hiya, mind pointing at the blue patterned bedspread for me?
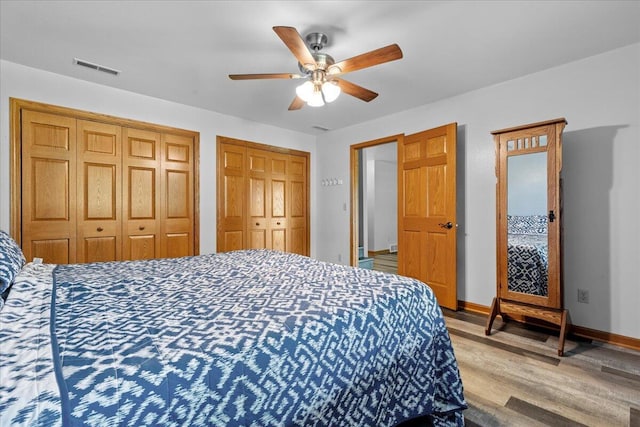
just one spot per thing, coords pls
(247, 338)
(528, 266)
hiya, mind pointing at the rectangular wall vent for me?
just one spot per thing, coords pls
(324, 129)
(96, 67)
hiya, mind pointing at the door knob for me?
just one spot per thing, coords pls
(448, 225)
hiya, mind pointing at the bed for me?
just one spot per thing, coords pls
(245, 338)
(528, 254)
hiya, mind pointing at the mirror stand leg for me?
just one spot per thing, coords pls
(563, 332)
(495, 308)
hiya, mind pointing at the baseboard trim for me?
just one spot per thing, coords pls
(576, 330)
(380, 252)
(473, 307)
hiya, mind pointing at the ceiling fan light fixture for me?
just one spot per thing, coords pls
(305, 91)
(316, 99)
(330, 90)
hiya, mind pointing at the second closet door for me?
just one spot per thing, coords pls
(141, 202)
(99, 160)
(268, 198)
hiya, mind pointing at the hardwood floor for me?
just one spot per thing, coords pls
(515, 378)
(386, 262)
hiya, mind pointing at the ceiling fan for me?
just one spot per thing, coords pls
(322, 74)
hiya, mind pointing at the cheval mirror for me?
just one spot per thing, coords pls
(529, 225)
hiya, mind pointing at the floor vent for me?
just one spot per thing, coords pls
(393, 248)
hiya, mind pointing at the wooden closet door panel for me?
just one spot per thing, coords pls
(259, 203)
(177, 197)
(141, 194)
(297, 216)
(48, 154)
(231, 196)
(273, 212)
(279, 202)
(99, 160)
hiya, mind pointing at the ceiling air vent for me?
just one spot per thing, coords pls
(322, 128)
(96, 67)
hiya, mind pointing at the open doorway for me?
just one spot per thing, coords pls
(374, 170)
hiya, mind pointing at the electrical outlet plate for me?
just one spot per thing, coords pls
(583, 296)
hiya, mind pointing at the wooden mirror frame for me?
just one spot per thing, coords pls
(523, 306)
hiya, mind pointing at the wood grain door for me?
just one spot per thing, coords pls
(48, 182)
(427, 210)
(177, 197)
(259, 201)
(262, 196)
(278, 203)
(99, 187)
(141, 194)
(297, 208)
(231, 199)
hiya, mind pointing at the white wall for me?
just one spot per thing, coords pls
(35, 85)
(600, 98)
(385, 228)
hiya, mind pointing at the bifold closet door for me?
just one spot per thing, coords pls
(232, 196)
(48, 182)
(262, 197)
(268, 199)
(177, 200)
(297, 206)
(99, 189)
(141, 199)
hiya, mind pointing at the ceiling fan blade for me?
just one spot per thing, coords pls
(296, 104)
(264, 76)
(355, 90)
(296, 45)
(369, 59)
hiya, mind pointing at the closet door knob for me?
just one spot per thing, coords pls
(448, 225)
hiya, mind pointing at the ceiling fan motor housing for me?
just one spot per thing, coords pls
(316, 41)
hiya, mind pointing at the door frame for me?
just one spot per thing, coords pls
(355, 182)
(354, 221)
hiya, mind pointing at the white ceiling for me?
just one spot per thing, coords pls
(183, 51)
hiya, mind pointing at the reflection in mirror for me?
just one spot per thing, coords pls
(528, 243)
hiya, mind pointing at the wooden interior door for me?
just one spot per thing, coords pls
(141, 198)
(231, 198)
(99, 189)
(48, 182)
(177, 198)
(427, 210)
